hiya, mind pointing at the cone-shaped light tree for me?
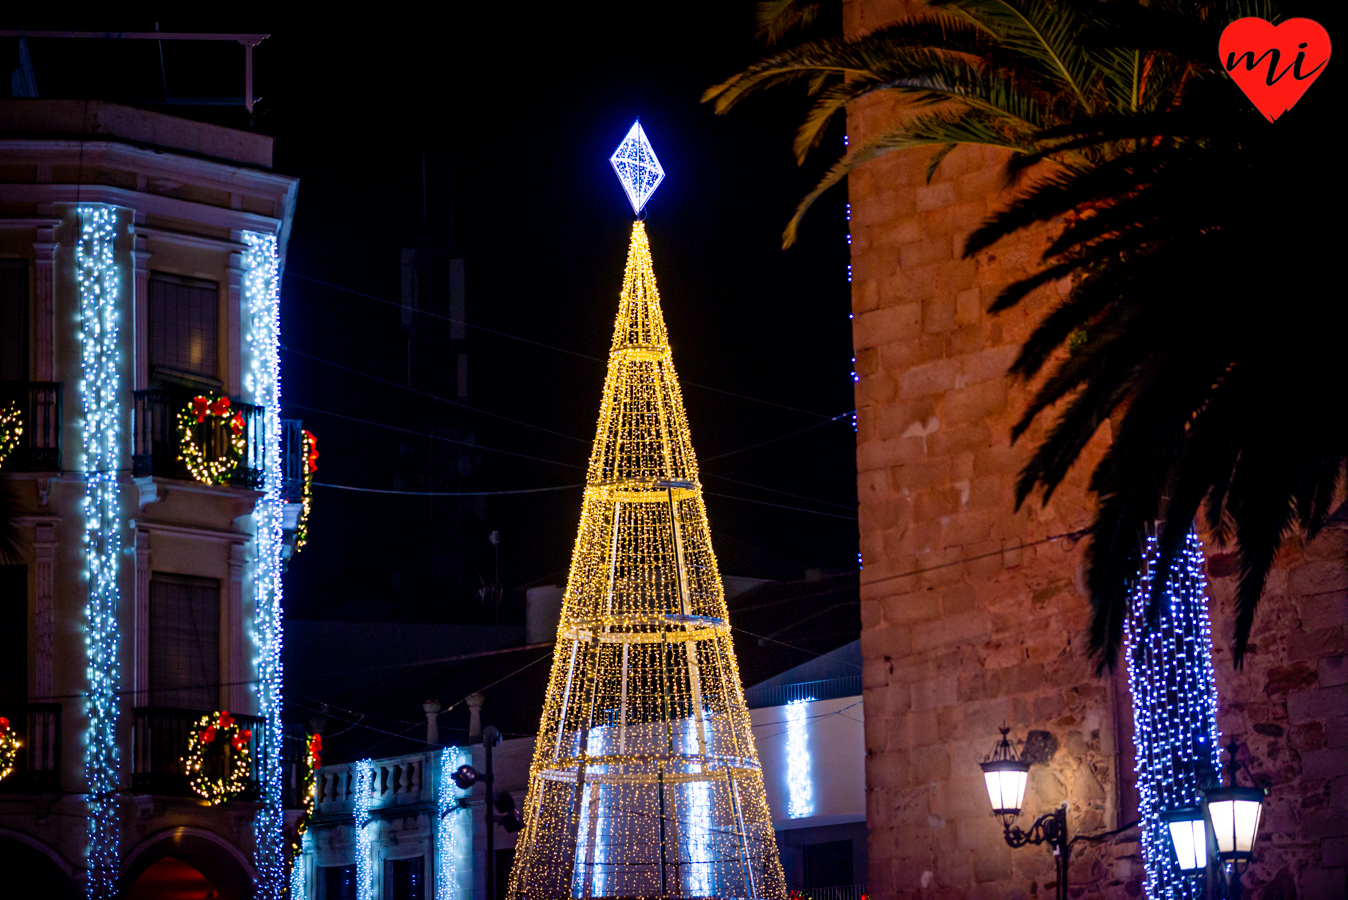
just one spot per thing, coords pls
(645, 781)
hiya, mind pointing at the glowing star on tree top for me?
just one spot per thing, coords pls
(638, 169)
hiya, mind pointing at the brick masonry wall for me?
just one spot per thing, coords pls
(993, 628)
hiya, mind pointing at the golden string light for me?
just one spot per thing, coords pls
(645, 781)
(219, 737)
(11, 429)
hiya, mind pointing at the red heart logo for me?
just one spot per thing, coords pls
(1274, 65)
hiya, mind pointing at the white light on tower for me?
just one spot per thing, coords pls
(637, 168)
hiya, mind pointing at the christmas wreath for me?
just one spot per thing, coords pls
(310, 447)
(200, 415)
(312, 759)
(11, 429)
(9, 748)
(219, 734)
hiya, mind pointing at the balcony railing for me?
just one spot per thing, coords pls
(840, 892)
(39, 405)
(157, 449)
(398, 781)
(760, 696)
(37, 768)
(160, 743)
(292, 460)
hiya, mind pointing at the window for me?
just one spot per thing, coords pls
(184, 325)
(405, 879)
(13, 641)
(338, 882)
(828, 864)
(184, 642)
(13, 320)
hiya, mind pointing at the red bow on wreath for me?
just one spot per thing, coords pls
(236, 424)
(4, 725)
(208, 734)
(202, 406)
(241, 738)
(312, 462)
(315, 751)
(226, 720)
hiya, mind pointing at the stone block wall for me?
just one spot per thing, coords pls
(974, 613)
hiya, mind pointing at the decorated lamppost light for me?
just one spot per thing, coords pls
(1005, 775)
(1223, 831)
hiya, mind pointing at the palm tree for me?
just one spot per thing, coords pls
(1204, 316)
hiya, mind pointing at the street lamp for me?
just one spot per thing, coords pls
(509, 818)
(1228, 823)
(1005, 775)
(1234, 812)
(1188, 837)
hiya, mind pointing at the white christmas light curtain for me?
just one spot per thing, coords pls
(100, 385)
(1174, 707)
(262, 380)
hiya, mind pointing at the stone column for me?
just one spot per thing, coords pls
(141, 675)
(236, 693)
(44, 553)
(235, 310)
(140, 304)
(475, 702)
(432, 710)
(44, 324)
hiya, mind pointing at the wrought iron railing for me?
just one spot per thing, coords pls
(158, 447)
(292, 460)
(37, 768)
(839, 892)
(760, 695)
(160, 741)
(39, 405)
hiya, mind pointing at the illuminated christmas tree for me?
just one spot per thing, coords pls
(645, 781)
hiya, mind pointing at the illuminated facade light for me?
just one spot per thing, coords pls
(263, 380)
(637, 168)
(100, 293)
(454, 827)
(1235, 812)
(362, 775)
(800, 792)
(1174, 709)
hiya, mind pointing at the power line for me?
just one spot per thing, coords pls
(365, 490)
(780, 437)
(813, 512)
(436, 437)
(784, 493)
(516, 337)
(433, 396)
(1071, 535)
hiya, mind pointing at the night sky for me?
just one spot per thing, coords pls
(487, 139)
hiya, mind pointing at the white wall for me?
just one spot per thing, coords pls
(835, 761)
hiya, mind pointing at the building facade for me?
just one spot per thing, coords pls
(140, 259)
(974, 614)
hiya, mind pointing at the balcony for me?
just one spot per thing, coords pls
(158, 448)
(762, 695)
(37, 770)
(839, 892)
(159, 744)
(399, 781)
(39, 406)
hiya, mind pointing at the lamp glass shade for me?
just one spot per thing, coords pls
(1005, 780)
(1235, 812)
(1188, 837)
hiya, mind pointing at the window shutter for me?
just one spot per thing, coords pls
(184, 324)
(184, 642)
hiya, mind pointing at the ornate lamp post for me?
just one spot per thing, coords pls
(1228, 824)
(1005, 775)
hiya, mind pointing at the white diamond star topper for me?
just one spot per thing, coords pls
(637, 167)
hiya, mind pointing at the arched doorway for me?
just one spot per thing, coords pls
(38, 870)
(172, 879)
(186, 864)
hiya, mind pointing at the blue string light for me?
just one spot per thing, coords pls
(454, 831)
(100, 382)
(263, 382)
(362, 774)
(800, 790)
(1174, 708)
